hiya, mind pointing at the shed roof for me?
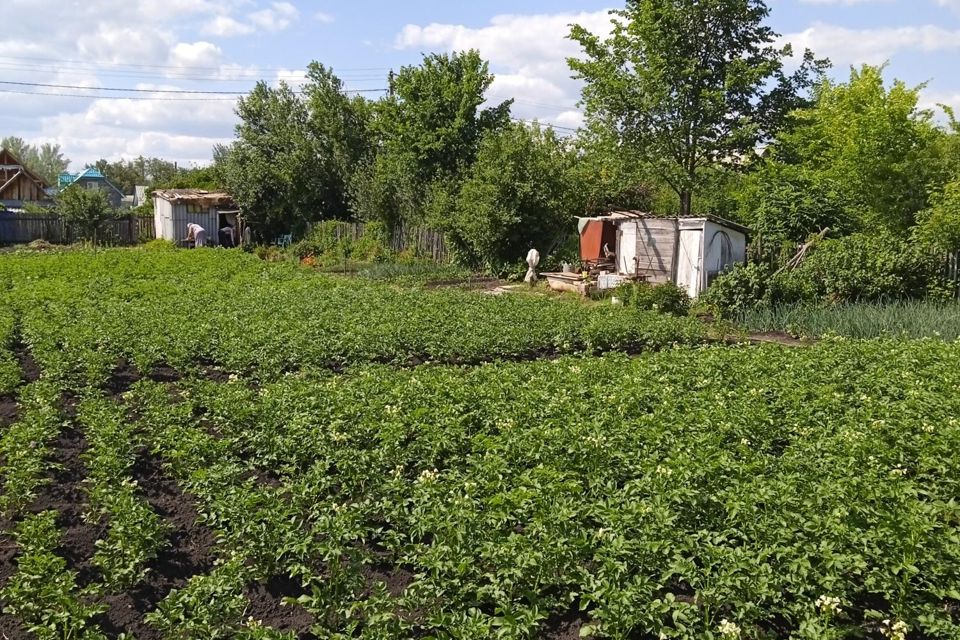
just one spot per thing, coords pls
(630, 214)
(196, 196)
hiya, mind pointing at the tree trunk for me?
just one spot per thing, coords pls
(686, 203)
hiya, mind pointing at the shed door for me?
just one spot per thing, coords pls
(627, 249)
(689, 261)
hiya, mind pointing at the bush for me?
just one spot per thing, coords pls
(322, 244)
(855, 268)
(665, 298)
(739, 289)
(863, 267)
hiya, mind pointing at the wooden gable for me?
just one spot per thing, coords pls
(17, 182)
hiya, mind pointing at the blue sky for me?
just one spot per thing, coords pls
(225, 45)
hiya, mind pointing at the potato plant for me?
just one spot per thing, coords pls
(82, 312)
(690, 492)
(9, 368)
(687, 494)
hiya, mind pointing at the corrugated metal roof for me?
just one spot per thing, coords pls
(212, 198)
(628, 214)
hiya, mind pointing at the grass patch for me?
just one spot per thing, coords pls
(912, 319)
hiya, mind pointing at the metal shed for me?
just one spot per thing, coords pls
(174, 209)
(689, 252)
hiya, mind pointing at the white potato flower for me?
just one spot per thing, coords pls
(728, 629)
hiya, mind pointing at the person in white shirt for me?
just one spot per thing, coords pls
(198, 234)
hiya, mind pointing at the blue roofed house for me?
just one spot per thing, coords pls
(91, 178)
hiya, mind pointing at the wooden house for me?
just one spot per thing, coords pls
(18, 184)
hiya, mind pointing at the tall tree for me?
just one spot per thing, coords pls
(294, 157)
(688, 84)
(426, 132)
(518, 191)
(875, 142)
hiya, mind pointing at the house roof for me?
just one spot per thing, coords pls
(629, 214)
(195, 196)
(8, 159)
(90, 173)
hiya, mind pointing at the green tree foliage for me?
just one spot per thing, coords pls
(46, 160)
(88, 209)
(689, 84)
(150, 172)
(607, 176)
(873, 142)
(515, 193)
(294, 157)
(426, 133)
(939, 226)
(788, 203)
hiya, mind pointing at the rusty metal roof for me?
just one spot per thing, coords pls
(195, 196)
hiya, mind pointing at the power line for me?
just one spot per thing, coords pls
(243, 75)
(161, 66)
(140, 98)
(153, 91)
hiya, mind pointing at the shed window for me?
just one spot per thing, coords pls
(193, 208)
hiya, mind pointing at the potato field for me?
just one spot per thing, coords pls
(200, 445)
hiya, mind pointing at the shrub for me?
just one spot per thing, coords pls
(739, 289)
(855, 268)
(665, 298)
(864, 267)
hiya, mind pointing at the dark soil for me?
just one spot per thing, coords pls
(65, 495)
(9, 411)
(266, 605)
(10, 629)
(164, 373)
(215, 374)
(396, 579)
(564, 626)
(123, 376)
(188, 553)
(30, 370)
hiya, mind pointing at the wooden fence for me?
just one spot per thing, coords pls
(953, 271)
(20, 228)
(422, 242)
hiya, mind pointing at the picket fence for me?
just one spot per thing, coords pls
(953, 271)
(23, 228)
(423, 242)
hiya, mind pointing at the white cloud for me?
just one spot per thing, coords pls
(528, 53)
(845, 46)
(225, 27)
(930, 99)
(277, 18)
(149, 44)
(195, 54)
(324, 17)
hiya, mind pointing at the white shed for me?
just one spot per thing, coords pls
(690, 252)
(174, 209)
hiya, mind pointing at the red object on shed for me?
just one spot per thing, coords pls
(595, 234)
